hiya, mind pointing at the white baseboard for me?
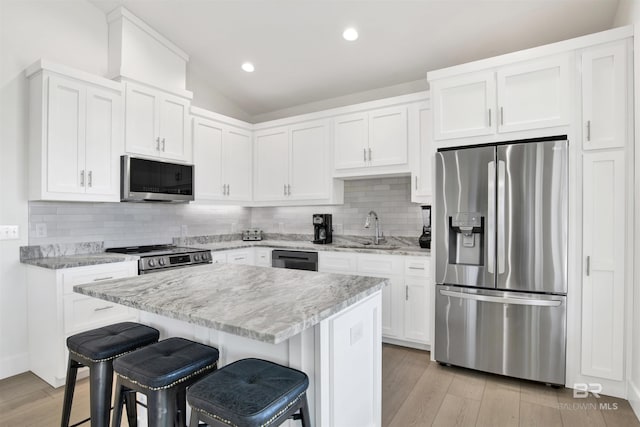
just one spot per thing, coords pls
(14, 365)
(634, 398)
(403, 343)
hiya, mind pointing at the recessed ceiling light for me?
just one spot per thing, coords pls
(248, 67)
(350, 34)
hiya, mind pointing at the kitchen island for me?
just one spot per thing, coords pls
(327, 325)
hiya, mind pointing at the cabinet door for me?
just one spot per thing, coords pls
(103, 138)
(66, 136)
(271, 165)
(173, 128)
(308, 164)
(388, 144)
(416, 320)
(207, 146)
(141, 121)
(237, 164)
(392, 308)
(604, 96)
(603, 240)
(534, 94)
(421, 185)
(464, 106)
(351, 136)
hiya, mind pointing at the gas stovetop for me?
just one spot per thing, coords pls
(162, 257)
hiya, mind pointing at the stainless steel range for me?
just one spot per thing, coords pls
(155, 258)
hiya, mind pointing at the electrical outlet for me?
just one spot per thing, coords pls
(9, 232)
(41, 229)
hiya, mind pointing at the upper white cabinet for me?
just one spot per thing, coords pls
(604, 96)
(524, 96)
(422, 131)
(370, 139)
(292, 163)
(75, 135)
(222, 159)
(156, 124)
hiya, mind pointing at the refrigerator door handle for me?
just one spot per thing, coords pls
(491, 216)
(502, 300)
(501, 217)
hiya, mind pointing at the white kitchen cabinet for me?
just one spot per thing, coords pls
(222, 161)
(603, 278)
(421, 175)
(604, 96)
(156, 124)
(263, 257)
(245, 256)
(292, 163)
(75, 137)
(371, 139)
(55, 312)
(523, 96)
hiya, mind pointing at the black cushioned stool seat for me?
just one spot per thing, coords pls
(97, 350)
(163, 371)
(248, 393)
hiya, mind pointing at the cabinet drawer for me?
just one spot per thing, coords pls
(386, 265)
(263, 257)
(97, 273)
(84, 313)
(337, 262)
(218, 258)
(417, 267)
(240, 257)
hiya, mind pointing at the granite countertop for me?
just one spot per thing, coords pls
(261, 303)
(70, 255)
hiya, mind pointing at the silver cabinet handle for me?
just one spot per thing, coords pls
(288, 189)
(489, 117)
(228, 189)
(501, 116)
(82, 178)
(99, 279)
(501, 244)
(491, 216)
(588, 265)
(406, 292)
(285, 189)
(588, 130)
(416, 268)
(364, 152)
(416, 180)
(90, 178)
(503, 300)
(369, 154)
(158, 143)
(163, 144)
(224, 189)
(106, 307)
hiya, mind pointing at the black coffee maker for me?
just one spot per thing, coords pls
(322, 231)
(425, 238)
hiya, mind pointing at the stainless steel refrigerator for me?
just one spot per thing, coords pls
(501, 258)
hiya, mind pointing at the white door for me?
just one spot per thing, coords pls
(351, 136)
(603, 269)
(388, 144)
(604, 96)
(416, 322)
(102, 142)
(66, 136)
(534, 95)
(308, 165)
(464, 106)
(271, 171)
(237, 164)
(207, 148)
(141, 121)
(421, 185)
(392, 308)
(173, 128)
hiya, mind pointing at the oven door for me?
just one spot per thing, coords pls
(299, 260)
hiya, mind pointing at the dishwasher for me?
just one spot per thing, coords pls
(299, 260)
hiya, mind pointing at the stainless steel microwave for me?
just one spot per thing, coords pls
(145, 180)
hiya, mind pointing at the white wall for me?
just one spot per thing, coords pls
(629, 13)
(73, 33)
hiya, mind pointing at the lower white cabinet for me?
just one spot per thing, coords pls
(55, 312)
(244, 256)
(263, 257)
(405, 302)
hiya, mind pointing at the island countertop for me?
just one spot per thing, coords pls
(261, 303)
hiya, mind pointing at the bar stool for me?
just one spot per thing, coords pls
(97, 350)
(162, 372)
(250, 393)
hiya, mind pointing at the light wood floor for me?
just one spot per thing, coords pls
(415, 392)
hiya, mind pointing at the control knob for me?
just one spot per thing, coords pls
(161, 261)
(152, 263)
(196, 257)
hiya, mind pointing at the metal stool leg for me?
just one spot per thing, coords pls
(181, 406)
(101, 381)
(161, 408)
(304, 412)
(69, 388)
(194, 421)
(121, 390)
(132, 408)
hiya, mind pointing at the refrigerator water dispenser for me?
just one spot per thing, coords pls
(466, 238)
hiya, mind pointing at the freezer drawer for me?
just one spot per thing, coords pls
(509, 333)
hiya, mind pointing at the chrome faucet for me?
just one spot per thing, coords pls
(379, 236)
